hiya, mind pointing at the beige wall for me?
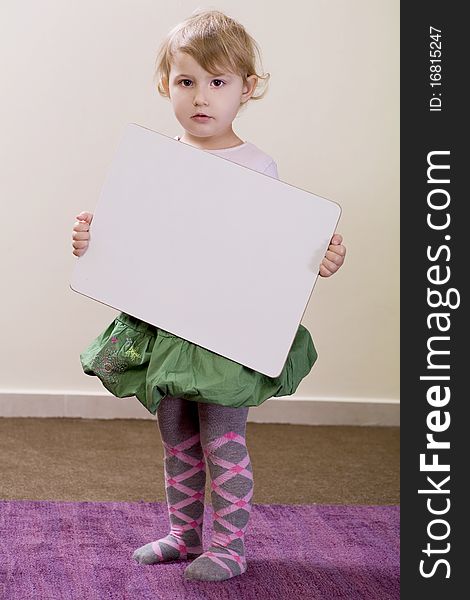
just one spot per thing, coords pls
(75, 73)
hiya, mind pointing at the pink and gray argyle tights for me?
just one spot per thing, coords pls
(193, 433)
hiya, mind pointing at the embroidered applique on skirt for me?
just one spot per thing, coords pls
(134, 358)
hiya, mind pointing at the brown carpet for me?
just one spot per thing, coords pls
(121, 460)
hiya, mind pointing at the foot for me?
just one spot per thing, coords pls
(164, 550)
(216, 564)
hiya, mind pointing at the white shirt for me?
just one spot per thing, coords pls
(248, 155)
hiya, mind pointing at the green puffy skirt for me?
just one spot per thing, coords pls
(133, 358)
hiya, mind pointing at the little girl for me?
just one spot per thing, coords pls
(206, 67)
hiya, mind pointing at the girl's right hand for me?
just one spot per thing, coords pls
(81, 233)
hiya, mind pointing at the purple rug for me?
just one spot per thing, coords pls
(82, 551)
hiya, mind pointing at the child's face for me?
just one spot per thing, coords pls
(193, 90)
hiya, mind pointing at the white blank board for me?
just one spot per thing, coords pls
(209, 250)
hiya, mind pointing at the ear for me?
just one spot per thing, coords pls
(165, 86)
(249, 87)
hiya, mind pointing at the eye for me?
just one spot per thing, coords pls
(184, 81)
(218, 81)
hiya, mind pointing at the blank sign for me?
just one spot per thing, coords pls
(209, 250)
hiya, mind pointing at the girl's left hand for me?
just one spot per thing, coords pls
(334, 257)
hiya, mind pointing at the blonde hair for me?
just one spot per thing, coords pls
(216, 42)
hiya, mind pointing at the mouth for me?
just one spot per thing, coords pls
(201, 115)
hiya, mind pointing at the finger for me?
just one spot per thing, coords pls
(81, 226)
(330, 265)
(338, 250)
(78, 251)
(324, 271)
(337, 239)
(78, 245)
(85, 216)
(334, 256)
(81, 235)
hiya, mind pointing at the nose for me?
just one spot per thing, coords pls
(199, 98)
